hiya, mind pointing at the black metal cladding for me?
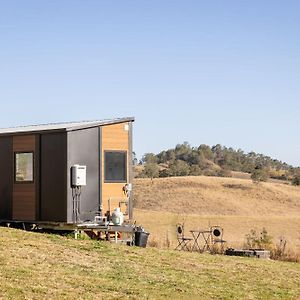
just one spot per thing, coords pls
(6, 177)
(83, 149)
(53, 205)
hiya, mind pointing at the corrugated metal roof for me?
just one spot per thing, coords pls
(68, 126)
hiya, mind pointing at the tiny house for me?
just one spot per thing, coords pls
(36, 171)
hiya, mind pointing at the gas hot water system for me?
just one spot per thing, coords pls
(78, 179)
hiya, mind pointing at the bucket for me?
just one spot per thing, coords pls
(141, 238)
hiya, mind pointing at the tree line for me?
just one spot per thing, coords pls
(218, 160)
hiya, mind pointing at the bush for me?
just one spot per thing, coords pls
(260, 240)
(195, 170)
(180, 168)
(165, 173)
(224, 173)
(259, 175)
(151, 170)
(263, 240)
(296, 180)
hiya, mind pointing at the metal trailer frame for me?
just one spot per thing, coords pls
(124, 233)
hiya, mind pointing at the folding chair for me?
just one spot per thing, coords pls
(183, 241)
(217, 237)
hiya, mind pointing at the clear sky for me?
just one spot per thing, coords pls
(199, 71)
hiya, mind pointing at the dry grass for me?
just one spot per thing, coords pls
(161, 224)
(216, 196)
(238, 205)
(40, 266)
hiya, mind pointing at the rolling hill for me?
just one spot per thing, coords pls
(238, 205)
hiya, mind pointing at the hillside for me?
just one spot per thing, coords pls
(218, 160)
(216, 196)
(236, 204)
(41, 266)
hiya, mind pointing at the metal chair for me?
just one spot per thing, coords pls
(183, 241)
(217, 237)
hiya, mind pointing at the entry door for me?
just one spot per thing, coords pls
(24, 202)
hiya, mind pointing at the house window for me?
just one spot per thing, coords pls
(24, 167)
(115, 166)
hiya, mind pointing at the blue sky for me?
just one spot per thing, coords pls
(199, 71)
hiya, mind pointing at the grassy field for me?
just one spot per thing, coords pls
(41, 266)
(237, 205)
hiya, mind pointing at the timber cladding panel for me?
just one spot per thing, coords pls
(24, 194)
(116, 138)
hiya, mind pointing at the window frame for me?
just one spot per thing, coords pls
(15, 167)
(125, 167)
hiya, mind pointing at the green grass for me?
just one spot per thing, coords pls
(38, 266)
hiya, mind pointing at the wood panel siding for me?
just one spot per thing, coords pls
(24, 143)
(24, 194)
(114, 137)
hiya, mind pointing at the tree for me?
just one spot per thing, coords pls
(296, 179)
(165, 173)
(151, 170)
(205, 152)
(162, 157)
(149, 158)
(259, 174)
(195, 170)
(185, 160)
(180, 168)
(183, 151)
(194, 158)
(171, 157)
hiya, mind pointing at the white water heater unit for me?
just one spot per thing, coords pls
(78, 173)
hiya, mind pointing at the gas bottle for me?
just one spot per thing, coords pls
(117, 216)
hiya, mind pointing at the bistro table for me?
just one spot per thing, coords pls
(199, 235)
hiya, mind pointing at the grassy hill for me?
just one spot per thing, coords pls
(41, 266)
(236, 204)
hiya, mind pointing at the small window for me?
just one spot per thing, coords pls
(115, 166)
(24, 167)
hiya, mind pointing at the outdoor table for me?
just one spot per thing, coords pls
(197, 236)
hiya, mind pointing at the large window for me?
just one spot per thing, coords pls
(115, 166)
(24, 167)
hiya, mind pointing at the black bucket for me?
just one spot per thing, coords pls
(141, 238)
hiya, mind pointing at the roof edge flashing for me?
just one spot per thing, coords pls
(62, 127)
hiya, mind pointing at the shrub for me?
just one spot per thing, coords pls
(296, 180)
(260, 240)
(259, 175)
(263, 240)
(224, 172)
(280, 252)
(180, 168)
(151, 170)
(165, 173)
(195, 170)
